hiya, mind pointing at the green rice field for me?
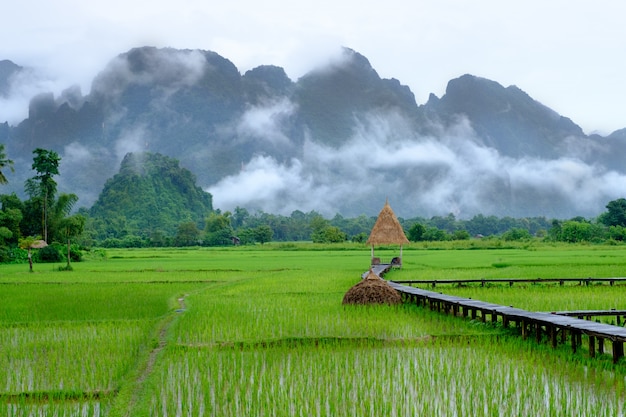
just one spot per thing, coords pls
(261, 331)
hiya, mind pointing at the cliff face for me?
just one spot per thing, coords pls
(196, 107)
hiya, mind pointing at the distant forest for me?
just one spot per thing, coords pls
(153, 202)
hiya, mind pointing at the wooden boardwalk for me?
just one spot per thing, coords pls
(380, 270)
(553, 327)
(482, 281)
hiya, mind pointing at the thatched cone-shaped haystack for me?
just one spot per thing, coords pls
(372, 290)
(387, 231)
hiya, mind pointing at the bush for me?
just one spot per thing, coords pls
(516, 233)
(76, 255)
(48, 254)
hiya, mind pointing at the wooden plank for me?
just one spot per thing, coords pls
(510, 281)
(575, 325)
(591, 313)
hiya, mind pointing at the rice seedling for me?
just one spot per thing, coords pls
(261, 331)
(432, 378)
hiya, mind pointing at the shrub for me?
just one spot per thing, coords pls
(48, 254)
(516, 233)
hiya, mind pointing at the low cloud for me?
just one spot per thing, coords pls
(421, 176)
(264, 122)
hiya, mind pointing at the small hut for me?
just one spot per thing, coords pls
(387, 231)
(372, 290)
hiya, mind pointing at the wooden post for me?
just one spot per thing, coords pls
(592, 346)
(618, 350)
(538, 332)
(552, 331)
(600, 345)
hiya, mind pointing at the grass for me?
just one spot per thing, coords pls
(261, 331)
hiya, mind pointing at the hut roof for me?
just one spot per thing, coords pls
(387, 229)
(372, 290)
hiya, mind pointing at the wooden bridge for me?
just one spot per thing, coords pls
(555, 327)
(551, 326)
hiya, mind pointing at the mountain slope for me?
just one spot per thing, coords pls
(339, 139)
(151, 192)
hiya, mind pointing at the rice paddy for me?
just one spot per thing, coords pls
(261, 331)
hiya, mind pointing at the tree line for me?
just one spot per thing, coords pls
(46, 215)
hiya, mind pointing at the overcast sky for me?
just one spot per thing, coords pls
(567, 54)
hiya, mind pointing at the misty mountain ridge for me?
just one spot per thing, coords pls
(340, 139)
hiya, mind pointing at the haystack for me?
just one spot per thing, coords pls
(372, 290)
(387, 230)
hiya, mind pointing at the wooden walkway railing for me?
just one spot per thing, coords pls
(482, 281)
(554, 327)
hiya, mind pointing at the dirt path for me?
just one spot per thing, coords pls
(147, 367)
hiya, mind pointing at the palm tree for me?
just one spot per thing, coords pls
(42, 186)
(4, 162)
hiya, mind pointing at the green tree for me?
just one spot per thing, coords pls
(71, 227)
(42, 186)
(59, 210)
(10, 220)
(416, 232)
(617, 233)
(187, 234)
(11, 215)
(263, 233)
(317, 224)
(616, 214)
(573, 231)
(239, 217)
(218, 230)
(460, 235)
(516, 233)
(432, 234)
(329, 234)
(4, 162)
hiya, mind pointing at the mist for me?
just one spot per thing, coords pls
(420, 175)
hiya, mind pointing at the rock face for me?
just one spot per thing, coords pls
(8, 70)
(340, 132)
(372, 290)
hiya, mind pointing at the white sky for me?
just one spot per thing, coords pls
(567, 54)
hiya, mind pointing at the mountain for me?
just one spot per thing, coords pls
(8, 70)
(151, 192)
(506, 119)
(340, 139)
